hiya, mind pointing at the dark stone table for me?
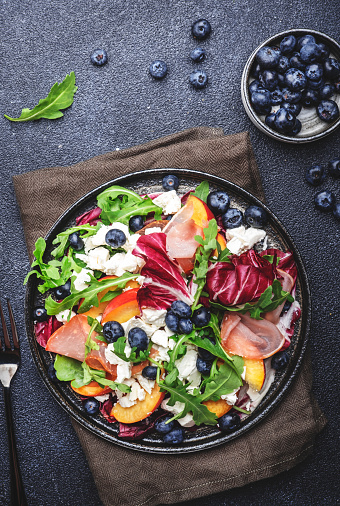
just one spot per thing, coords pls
(118, 106)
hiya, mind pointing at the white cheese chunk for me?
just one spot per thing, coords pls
(154, 316)
(145, 383)
(242, 239)
(153, 230)
(82, 279)
(63, 315)
(169, 202)
(162, 355)
(137, 394)
(102, 398)
(185, 421)
(138, 322)
(123, 371)
(97, 258)
(231, 398)
(160, 337)
(131, 242)
(194, 380)
(186, 365)
(120, 263)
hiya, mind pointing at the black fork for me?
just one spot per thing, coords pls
(9, 363)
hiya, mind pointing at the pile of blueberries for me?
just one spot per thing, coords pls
(298, 73)
(315, 175)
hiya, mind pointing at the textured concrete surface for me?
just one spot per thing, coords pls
(118, 106)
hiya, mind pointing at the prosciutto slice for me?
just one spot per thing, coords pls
(250, 338)
(287, 283)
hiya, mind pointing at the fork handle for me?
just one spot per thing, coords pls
(18, 497)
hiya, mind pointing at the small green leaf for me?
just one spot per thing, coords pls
(202, 191)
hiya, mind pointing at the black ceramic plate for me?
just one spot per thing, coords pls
(204, 437)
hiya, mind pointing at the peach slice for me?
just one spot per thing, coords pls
(202, 214)
(255, 373)
(96, 311)
(122, 308)
(140, 410)
(220, 407)
(92, 389)
(222, 242)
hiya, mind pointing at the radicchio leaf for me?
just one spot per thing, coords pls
(105, 409)
(163, 281)
(90, 217)
(44, 330)
(242, 280)
(286, 263)
(134, 431)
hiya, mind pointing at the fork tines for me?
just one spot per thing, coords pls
(13, 328)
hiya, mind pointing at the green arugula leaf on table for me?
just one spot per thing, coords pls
(202, 191)
(60, 97)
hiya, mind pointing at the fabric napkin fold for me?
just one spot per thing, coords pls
(285, 437)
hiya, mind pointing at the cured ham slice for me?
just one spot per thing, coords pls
(250, 338)
(287, 283)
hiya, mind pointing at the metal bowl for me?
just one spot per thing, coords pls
(312, 127)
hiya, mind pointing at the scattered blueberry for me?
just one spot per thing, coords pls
(91, 406)
(295, 79)
(203, 366)
(305, 39)
(232, 218)
(334, 167)
(185, 326)
(201, 29)
(197, 55)
(256, 216)
(115, 238)
(336, 211)
(314, 71)
(75, 241)
(324, 200)
(63, 291)
(328, 110)
(293, 108)
(269, 120)
(201, 317)
(267, 57)
(198, 79)
(51, 373)
(158, 69)
(138, 339)
(293, 97)
(268, 79)
(170, 182)
(331, 68)
(326, 91)
(175, 436)
(181, 309)
(218, 202)
(310, 98)
(287, 44)
(284, 121)
(296, 62)
(315, 175)
(280, 360)
(283, 64)
(261, 100)
(324, 51)
(297, 127)
(136, 223)
(150, 372)
(162, 427)
(229, 422)
(112, 330)
(40, 314)
(310, 52)
(99, 57)
(171, 321)
(276, 97)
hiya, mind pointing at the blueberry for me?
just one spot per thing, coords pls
(51, 373)
(185, 326)
(310, 98)
(255, 71)
(99, 57)
(314, 71)
(284, 121)
(310, 53)
(293, 108)
(276, 97)
(315, 175)
(205, 354)
(181, 309)
(331, 69)
(91, 406)
(324, 51)
(254, 86)
(328, 110)
(336, 211)
(203, 366)
(40, 314)
(295, 79)
(76, 242)
(261, 100)
(280, 80)
(267, 57)
(326, 91)
(297, 127)
(158, 69)
(283, 65)
(201, 29)
(269, 120)
(175, 436)
(115, 238)
(296, 62)
(229, 422)
(256, 216)
(138, 339)
(136, 223)
(280, 360)
(171, 321)
(170, 182)
(201, 317)
(198, 79)
(287, 44)
(232, 218)
(324, 200)
(218, 202)
(293, 97)
(112, 330)
(268, 79)
(162, 427)
(305, 39)
(63, 291)
(150, 372)
(197, 55)
(315, 85)
(334, 167)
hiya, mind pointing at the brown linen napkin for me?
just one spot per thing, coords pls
(129, 478)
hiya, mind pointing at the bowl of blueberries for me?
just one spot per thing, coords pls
(291, 86)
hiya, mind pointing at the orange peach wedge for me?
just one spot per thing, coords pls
(255, 373)
(140, 410)
(122, 308)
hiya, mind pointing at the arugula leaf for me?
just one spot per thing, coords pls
(67, 368)
(137, 208)
(224, 381)
(60, 97)
(270, 259)
(109, 201)
(62, 238)
(224, 255)
(119, 350)
(202, 191)
(111, 295)
(89, 294)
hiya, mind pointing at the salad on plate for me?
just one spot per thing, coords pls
(166, 312)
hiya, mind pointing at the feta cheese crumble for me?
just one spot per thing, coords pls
(169, 202)
(185, 421)
(242, 239)
(82, 279)
(63, 315)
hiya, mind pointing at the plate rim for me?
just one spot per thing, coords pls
(84, 420)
